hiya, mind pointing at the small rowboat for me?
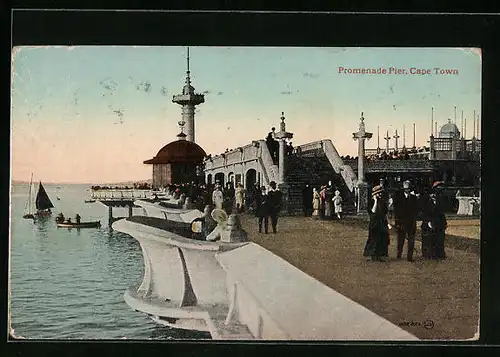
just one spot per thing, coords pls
(89, 201)
(94, 224)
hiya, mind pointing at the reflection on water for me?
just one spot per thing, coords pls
(69, 283)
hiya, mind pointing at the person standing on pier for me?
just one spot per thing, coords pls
(433, 225)
(261, 206)
(337, 203)
(274, 207)
(217, 197)
(239, 196)
(229, 194)
(316, 203)
(405, 216)
(307, 204)
(378, 230)
(328, 198)
(322, 207)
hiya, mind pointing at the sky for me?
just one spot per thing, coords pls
(93, 114)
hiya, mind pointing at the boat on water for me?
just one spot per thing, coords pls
(43, 204)
(92, 224)
(89, 201)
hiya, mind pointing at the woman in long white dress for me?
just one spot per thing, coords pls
(217, 197)
(239, 196)
(316, 203)
(337, 203)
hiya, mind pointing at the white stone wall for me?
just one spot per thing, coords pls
(237, 162)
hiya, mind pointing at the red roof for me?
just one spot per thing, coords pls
(180, 151)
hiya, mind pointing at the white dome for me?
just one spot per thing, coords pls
(449, 130)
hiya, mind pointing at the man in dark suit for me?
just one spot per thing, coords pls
(261, 206)
(405, 216)
(274, 205)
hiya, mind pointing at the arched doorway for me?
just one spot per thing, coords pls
(209, 179)
(250, 178)
(220, 178)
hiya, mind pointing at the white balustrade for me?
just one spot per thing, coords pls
(267, 161)
(119, 194)
(277, 301)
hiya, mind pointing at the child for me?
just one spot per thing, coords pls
(337, 203)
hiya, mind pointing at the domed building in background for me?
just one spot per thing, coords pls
(181, 161)
(177, 162)
(449, 130)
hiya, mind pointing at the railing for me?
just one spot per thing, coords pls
(346, 171)
(409, 151)
(119, 194)
(267, 161)
(394, 164)
(335, 160)
(311, 146)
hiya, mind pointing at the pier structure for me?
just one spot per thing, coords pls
(314, 163)
(451, 157)
(112, 198)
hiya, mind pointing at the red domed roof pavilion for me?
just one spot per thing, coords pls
(180, 151)
(177, 162)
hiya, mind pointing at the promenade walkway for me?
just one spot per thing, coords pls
(430, 299)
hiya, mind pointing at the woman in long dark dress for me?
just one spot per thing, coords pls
(261, 207)
(433, 226)
(378, 231)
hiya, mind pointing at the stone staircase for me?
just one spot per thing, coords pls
(314, 168)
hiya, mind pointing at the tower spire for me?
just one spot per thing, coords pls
(188, 99)
(188, 78)
(378, 139)
(432, 121)
(462, 126)
(414, 136)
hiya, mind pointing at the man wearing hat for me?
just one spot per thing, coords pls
(433, 225)
(261, 207)
(274, 201)
(405, 206)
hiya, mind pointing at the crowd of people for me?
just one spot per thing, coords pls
(264, 203)
(406, 205)
(324, 203)
(135, 186)
(402, 154)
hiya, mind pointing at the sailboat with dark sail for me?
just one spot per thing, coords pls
(43, 203)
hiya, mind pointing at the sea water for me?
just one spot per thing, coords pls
(69, 283)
